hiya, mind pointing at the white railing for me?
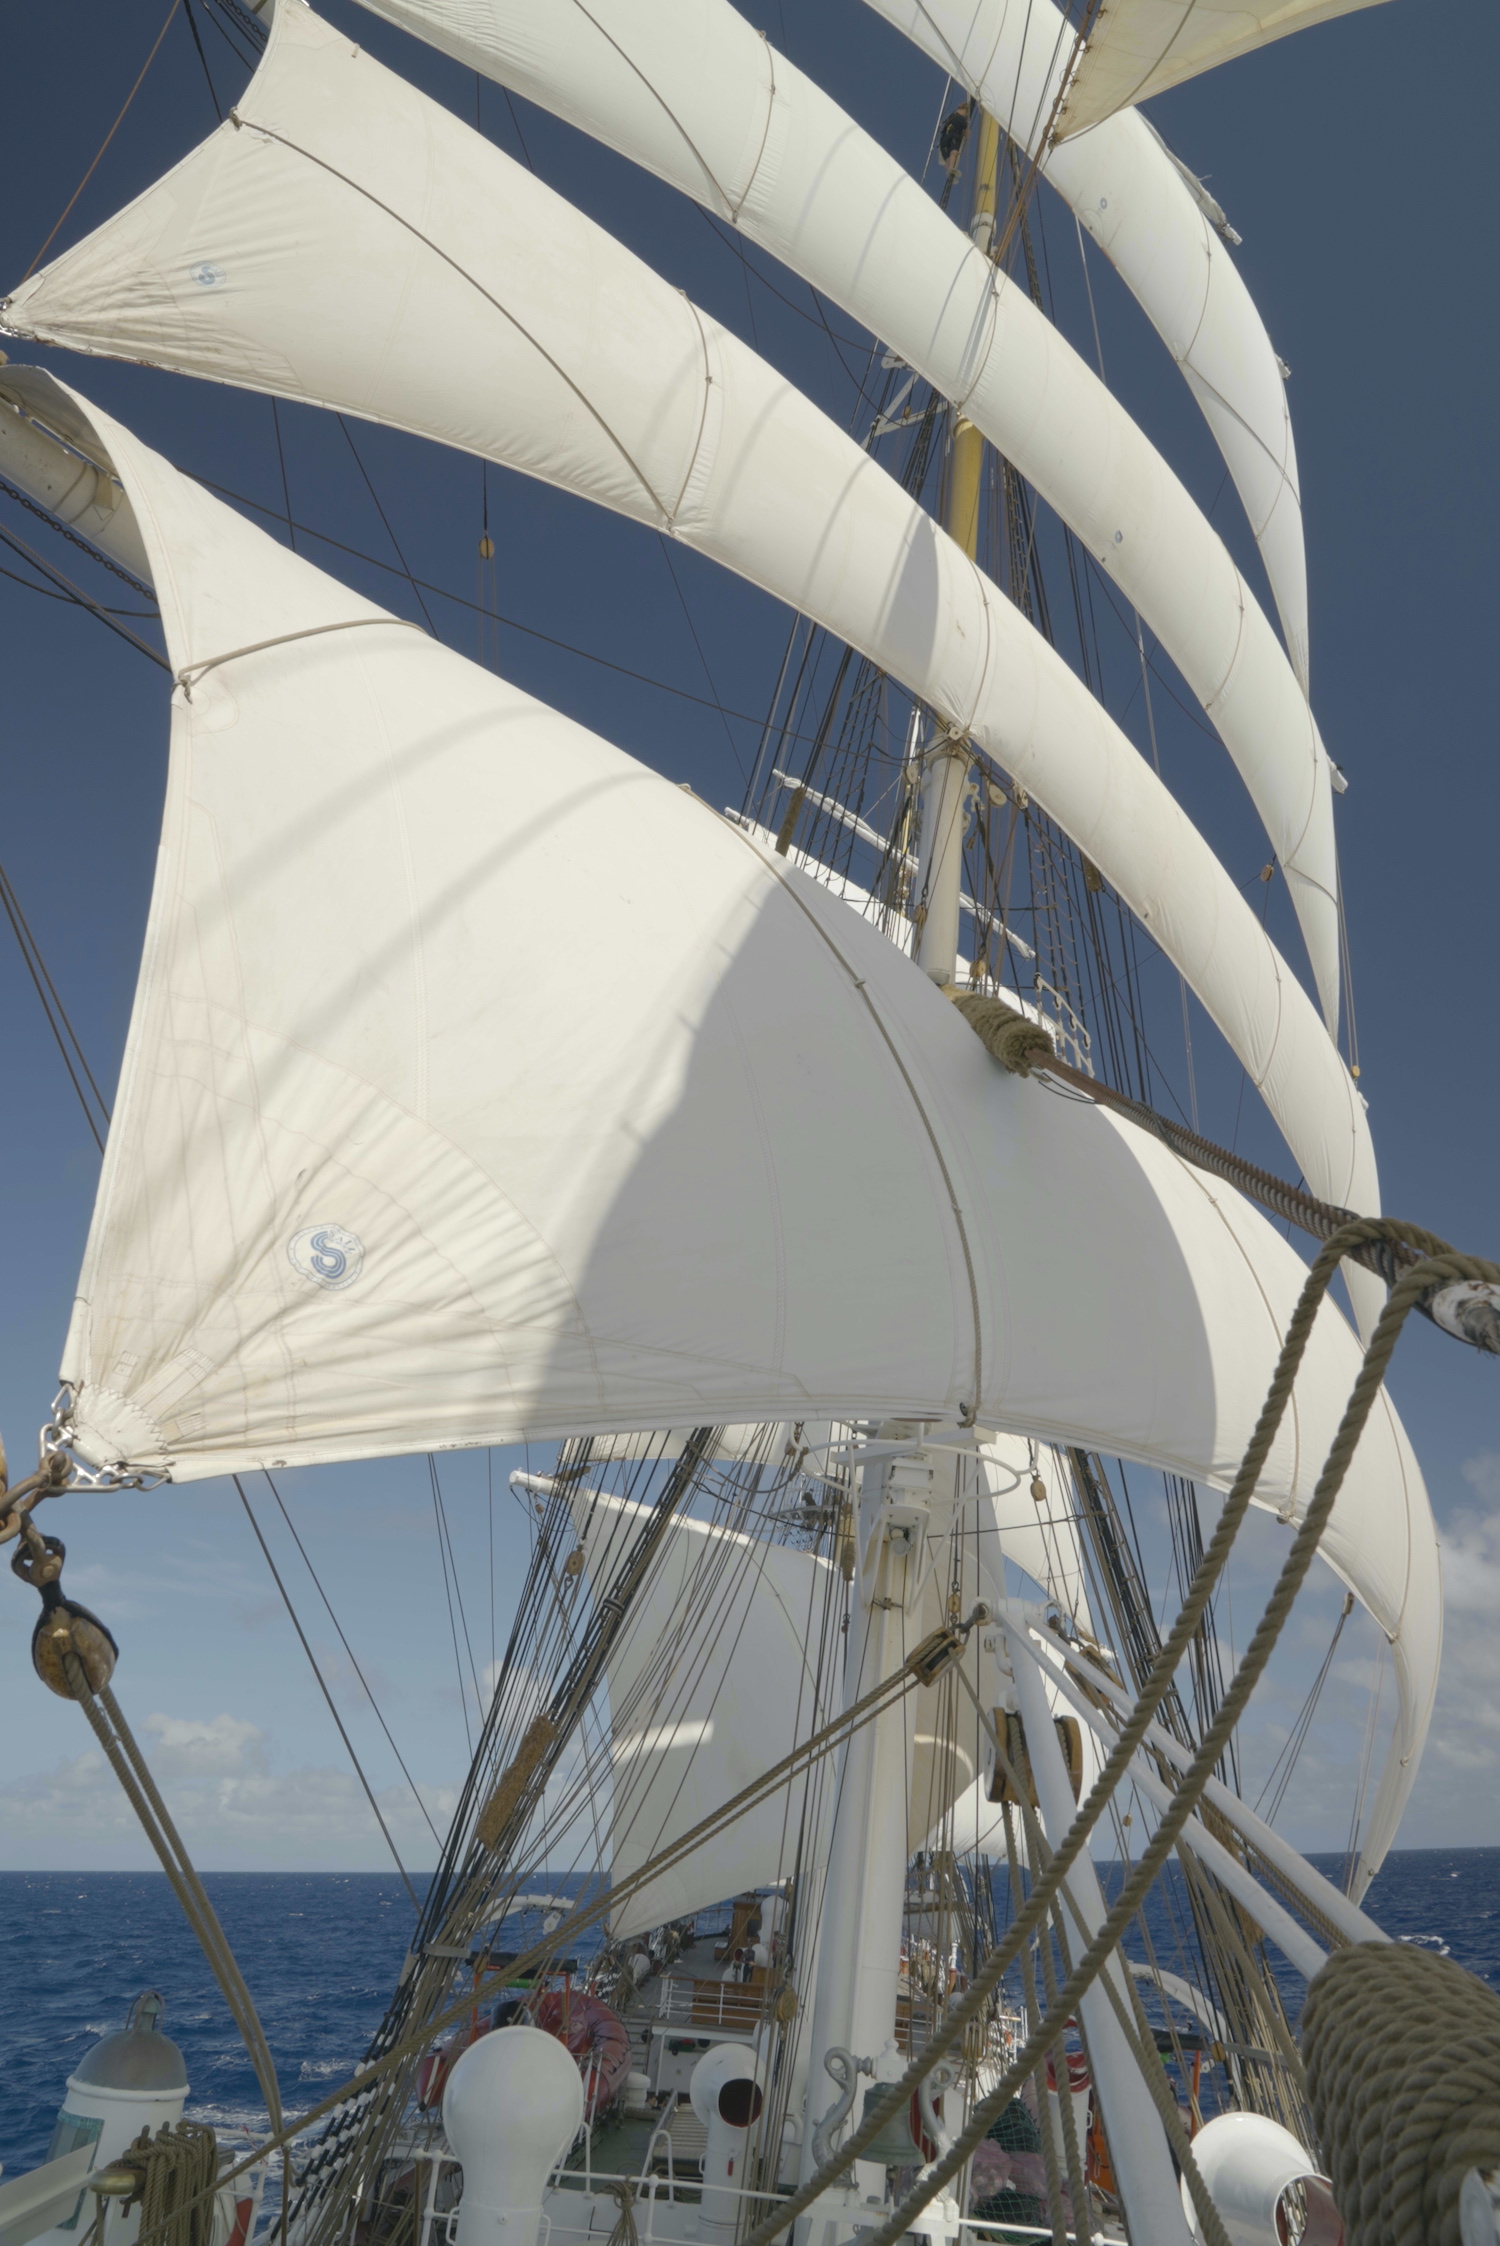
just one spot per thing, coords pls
(665, 2191)
(710, 2004)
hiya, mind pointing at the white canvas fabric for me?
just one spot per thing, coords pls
(688, 90)
(533, 337)
(389, 1173)
(713, 1679)
(1133, 199)
(386, 1176)
(1140, 47)
(1042, 1540)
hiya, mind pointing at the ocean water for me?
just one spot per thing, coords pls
(321, 1951)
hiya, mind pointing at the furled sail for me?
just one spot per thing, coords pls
(1136, 48)
(340, 1216)
(688, 90)
(715, 1677)
(1147, 215)
(351, 243)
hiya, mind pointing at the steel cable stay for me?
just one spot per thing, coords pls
(452, 1593)
(1279, 1776)
(419, 585)
(359, 1772)
(349, 1650)
(74, 1060)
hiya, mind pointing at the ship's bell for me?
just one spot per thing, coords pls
(901, 2143)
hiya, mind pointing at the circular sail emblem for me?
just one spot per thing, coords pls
(327, 1254)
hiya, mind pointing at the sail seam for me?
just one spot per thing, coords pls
(916, 1099)
(188, 677)
(673, 119)
(463, 273)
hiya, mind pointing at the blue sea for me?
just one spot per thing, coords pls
(321, 1952)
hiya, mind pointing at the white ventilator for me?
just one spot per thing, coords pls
(688, 90)
(338, 178)
(1159, 228)
(512, 2106)
(334, 1222)
(1263, 2182)
(727, 2098)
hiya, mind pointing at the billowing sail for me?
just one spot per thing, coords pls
(389, 1173)
(352, 243)
(1148, 216)
(1136, 48)
(688, 90)
(335, 1222)
(1037, 1535)
(715, 1677)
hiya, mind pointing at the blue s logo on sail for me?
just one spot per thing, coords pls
(328, 1255)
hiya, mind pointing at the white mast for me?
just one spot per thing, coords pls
(1137, 2142)
(903, 1500)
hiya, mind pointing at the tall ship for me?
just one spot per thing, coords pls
(852, 1847)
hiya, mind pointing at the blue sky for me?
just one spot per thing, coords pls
(1347, 158)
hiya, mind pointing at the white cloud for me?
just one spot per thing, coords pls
(193, 1747)
(231, 1806)
(1465, 1738)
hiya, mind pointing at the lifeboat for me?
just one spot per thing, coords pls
(598, 2039)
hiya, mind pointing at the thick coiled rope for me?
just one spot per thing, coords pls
(1402, 2054)
(179, 2170)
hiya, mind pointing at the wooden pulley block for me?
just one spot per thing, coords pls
(63, 1627)
(1012, 1734)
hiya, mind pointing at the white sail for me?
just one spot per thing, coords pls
(1134, 199)
(386, 1174)
(353, 1000)
(1040, 1537)
(493, 315)
(1136, 48)
(687, 89)
(714, 1678)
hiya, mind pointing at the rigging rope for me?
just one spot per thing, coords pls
(1402, 2051)
(67, 1640)
(815, 1750)
(1279, 1778)
(286, 1600)
(52, 1006)
(178, 2172)
(109, 136)
(349, 1650)
(1439, 1263)
(76, 593)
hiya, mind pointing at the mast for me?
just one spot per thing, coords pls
(945, 766)
(901, 1498)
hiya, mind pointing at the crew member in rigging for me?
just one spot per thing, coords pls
(953, 135)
